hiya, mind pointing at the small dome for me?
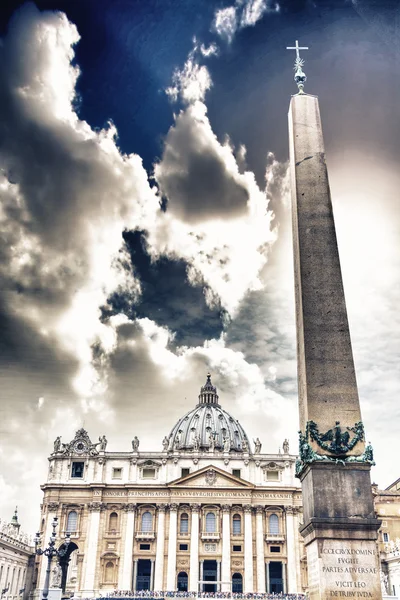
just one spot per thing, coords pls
(208, 426)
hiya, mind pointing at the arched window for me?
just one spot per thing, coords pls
(237, 525)
(147, 521)
(72, 521)
(109, 572)
(210, 522)
(113, 522)
(184, 528)
(182, 582)
(273, 524)
(237, 583)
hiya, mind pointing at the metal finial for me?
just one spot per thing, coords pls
(299, 76)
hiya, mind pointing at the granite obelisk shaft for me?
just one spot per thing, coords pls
(340, 527)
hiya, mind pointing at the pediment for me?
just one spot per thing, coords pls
(211, 477)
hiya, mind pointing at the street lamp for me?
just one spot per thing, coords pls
(50, 551)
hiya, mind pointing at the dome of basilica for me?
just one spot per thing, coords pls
(208, 427)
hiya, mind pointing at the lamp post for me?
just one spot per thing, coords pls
(50, 551)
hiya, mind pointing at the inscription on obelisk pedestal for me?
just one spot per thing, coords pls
(343, 569)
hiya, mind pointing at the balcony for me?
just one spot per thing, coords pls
(274, 537)
(145, 535)
(210, 537)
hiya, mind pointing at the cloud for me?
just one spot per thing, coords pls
(192, 82)
(67, 195)
(244, 13)
(211, 205)
(198, 175)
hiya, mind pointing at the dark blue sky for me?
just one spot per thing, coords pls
(130, 48)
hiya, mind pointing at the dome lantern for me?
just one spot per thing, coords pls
(208, 392)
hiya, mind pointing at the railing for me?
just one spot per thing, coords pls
(145, 535)
(210, 536)
(274, 537)
(236, 595)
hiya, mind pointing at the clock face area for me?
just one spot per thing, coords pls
(80, 447)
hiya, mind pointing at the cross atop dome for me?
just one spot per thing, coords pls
(208, 392)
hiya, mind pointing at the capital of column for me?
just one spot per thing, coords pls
(130, 507)
(226, 508)
(52, 506)
(195, 508)
(161, 508)
(173, 507)
(96, 506)
(247, 508)
(289, 510)
(260, 509)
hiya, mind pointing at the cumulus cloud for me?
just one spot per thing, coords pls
(67, 194)
(244, 13)
(211, 207)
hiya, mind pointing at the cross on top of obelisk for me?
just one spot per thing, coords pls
(299, 76)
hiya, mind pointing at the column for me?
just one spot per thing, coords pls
(218, 575)
(291, 551)
(226, 547)
(126, 563)
(91, 547)
(260, 549)
(284, 571)
(135, 566)
(194, 550)
(159, 567)
(201, 574)
(267, 575)
(171, 569)
(52, 508)
(248, 551)
(152, 574)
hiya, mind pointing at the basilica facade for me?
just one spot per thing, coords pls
(208, 511)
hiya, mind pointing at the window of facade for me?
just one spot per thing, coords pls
(184, 523)
(182, 582)
(77, 469)
(113, 522)
(385, 537)
(184, 471)
(210, 522)
(117, 473)
(237, 525)
(147, 521)
(237, 583)
(275, 549)
(237, 548)
(273, 524)
(273, 476)
(148, 473)
(144, 546)
(236, 472)
(183, 547)
(72, 521)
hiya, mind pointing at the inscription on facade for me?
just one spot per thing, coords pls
(193, 494)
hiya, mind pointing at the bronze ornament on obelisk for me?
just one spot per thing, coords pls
(340, 528)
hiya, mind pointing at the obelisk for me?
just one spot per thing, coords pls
(340, 528)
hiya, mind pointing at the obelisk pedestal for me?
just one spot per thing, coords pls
(340, 528)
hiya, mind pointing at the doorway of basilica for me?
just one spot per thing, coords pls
(143, 577)
(210, 574)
